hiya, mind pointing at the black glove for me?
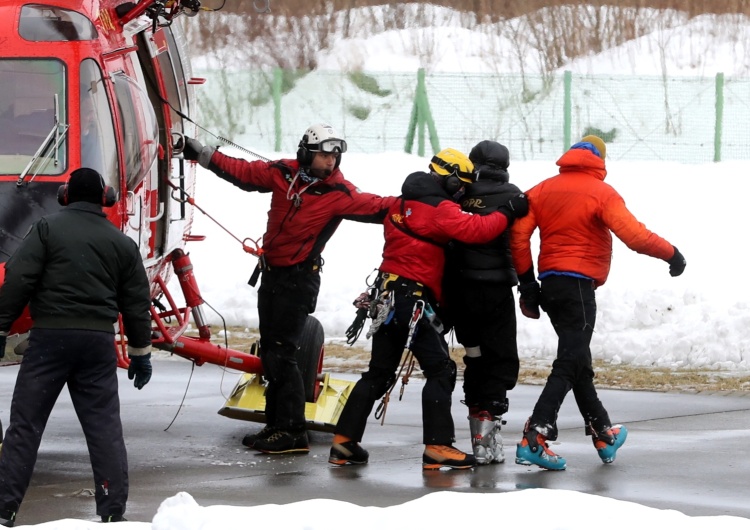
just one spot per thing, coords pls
(140, 369)
(3, 340)
(676, 263)
(192, 149)
(529, 299)
(515, 208)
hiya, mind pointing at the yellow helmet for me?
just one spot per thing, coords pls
(449, 162)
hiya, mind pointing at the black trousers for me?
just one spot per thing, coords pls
(286, 296)
(431, 351)
(570, 304)
(86, 361)
(484, 316)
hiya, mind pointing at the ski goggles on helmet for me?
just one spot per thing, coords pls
(453, 169)
(329, 145)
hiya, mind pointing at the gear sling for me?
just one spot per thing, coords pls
(382, 308)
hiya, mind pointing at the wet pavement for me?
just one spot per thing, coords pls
(684, 451)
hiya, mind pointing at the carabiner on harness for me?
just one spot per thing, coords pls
(381, 311)
(407, 363)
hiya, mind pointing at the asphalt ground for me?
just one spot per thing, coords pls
(684, 451)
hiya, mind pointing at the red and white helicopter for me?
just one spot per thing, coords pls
(108, 84)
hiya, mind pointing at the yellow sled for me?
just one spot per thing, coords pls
(325, 396)
(248, 402)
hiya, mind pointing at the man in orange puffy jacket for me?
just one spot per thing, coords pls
(576, 212)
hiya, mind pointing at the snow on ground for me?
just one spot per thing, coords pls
(562, 510)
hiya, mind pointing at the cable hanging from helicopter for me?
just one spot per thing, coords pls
(180, 195)
(256, 249)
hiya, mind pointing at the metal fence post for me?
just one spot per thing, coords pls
(421, 116)
(427, 113)
(718, 125)
(413, 118)
(276, 93)
(421, 104)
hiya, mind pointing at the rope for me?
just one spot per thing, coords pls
(407, 362)
(408, 359)
(407, 375)
(355, 330)
(255, 250)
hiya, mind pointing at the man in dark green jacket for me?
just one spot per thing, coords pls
(77, 272)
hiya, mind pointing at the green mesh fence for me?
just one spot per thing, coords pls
(685, 119)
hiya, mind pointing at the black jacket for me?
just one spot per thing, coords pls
(76, 270)
(489, 262)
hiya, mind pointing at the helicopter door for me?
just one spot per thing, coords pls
(138, 123)
(176, 71)
(167, 89)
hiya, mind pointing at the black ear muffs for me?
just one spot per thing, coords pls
(452, 184)
(109, 196)
(304, 155)
(62, 195)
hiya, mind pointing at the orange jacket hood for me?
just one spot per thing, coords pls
(582, 161)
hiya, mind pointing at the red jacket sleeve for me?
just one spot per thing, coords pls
(364, 207)
(450, 220)
(250, 176)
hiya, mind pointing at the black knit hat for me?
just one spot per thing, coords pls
(85, 184)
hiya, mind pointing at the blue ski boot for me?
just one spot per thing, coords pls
(533, 450)
(608, 441)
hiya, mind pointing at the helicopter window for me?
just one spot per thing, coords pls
(138, 127)
(41, 23)
(171, 87)
(27, 114)
(175, 37)
(98, 147)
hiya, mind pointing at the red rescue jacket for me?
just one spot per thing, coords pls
(303, 216)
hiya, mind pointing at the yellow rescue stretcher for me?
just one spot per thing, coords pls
(325, 396)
